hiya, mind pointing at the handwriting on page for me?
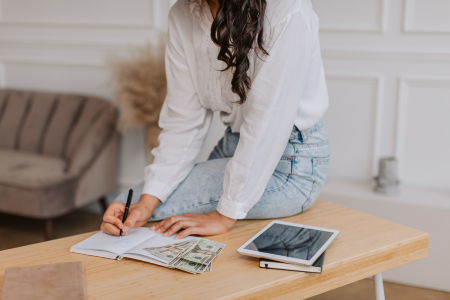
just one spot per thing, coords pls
(126, 243)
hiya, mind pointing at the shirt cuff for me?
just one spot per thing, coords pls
(157, 189)
(233, 209)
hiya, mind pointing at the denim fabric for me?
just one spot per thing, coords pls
(293, 187)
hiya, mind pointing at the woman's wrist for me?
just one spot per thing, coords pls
(149, 202)
(227, 222)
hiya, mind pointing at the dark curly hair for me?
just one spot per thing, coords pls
(237, 29)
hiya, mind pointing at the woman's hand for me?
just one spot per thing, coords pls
(138, 215)
(203, 224)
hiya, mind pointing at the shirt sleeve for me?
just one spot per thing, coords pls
(268, 115)
(184, 122)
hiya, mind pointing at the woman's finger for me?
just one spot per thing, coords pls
(179, 225)
(157, 226)
(115, 209)
(188, 231)
(168, 223)
(132, 218)
(113, 220)
(110, 229)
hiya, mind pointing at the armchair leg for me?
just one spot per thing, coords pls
(103, 203)
(48, 229)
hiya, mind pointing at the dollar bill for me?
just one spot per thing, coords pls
(169, 252)
(179, 244)
(203, 252)
(188, 266)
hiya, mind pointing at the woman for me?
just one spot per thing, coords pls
(258, 63)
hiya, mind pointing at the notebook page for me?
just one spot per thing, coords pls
(156, 241)
(111, 243)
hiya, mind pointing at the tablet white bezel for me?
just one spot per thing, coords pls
(285, 259)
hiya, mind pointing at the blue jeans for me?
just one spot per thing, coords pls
(294, 186)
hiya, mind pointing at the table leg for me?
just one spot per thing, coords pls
(379, 289)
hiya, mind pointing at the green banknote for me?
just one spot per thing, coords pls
(169, 252)
(188, 266)
(203, 252)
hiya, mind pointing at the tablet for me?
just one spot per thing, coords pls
(289, 242)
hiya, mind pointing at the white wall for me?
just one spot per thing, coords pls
(388, 73)
(388, 70)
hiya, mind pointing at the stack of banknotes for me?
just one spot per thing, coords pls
(194, 256)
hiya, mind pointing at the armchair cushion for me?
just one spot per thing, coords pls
(30, 171)
(35, 185)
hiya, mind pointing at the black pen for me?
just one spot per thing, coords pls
(127, 207)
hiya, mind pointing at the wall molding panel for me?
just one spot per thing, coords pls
(387, 54)
(62, 25)
(159, 10)
(79, 77)
(410, 26)
(62, 63)
(379, 27)
(68, 44)
(375, 134)
(149, 24)
(404, 83)
(17, 49)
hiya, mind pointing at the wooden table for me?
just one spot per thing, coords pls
(366, 246)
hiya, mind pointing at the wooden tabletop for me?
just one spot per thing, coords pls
(366, 245)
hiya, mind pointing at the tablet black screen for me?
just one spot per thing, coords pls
(290, 241)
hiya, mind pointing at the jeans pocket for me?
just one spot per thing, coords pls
(277, 181)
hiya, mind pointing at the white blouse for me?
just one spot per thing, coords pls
(288, 87)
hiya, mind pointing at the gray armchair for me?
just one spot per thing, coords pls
(57, 153)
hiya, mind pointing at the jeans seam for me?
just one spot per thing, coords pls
(310, 194)
(284, 184)
(314, 186)
(290, 174)
(293, 158)
(184, 208)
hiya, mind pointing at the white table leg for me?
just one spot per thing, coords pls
(379, 289)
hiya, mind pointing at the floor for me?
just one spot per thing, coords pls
(364, 290)
(17, 231)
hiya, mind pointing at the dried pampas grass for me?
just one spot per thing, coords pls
(140, 86)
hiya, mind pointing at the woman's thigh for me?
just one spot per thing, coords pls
(198, 193)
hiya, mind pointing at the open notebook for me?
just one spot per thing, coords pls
(131, 245)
